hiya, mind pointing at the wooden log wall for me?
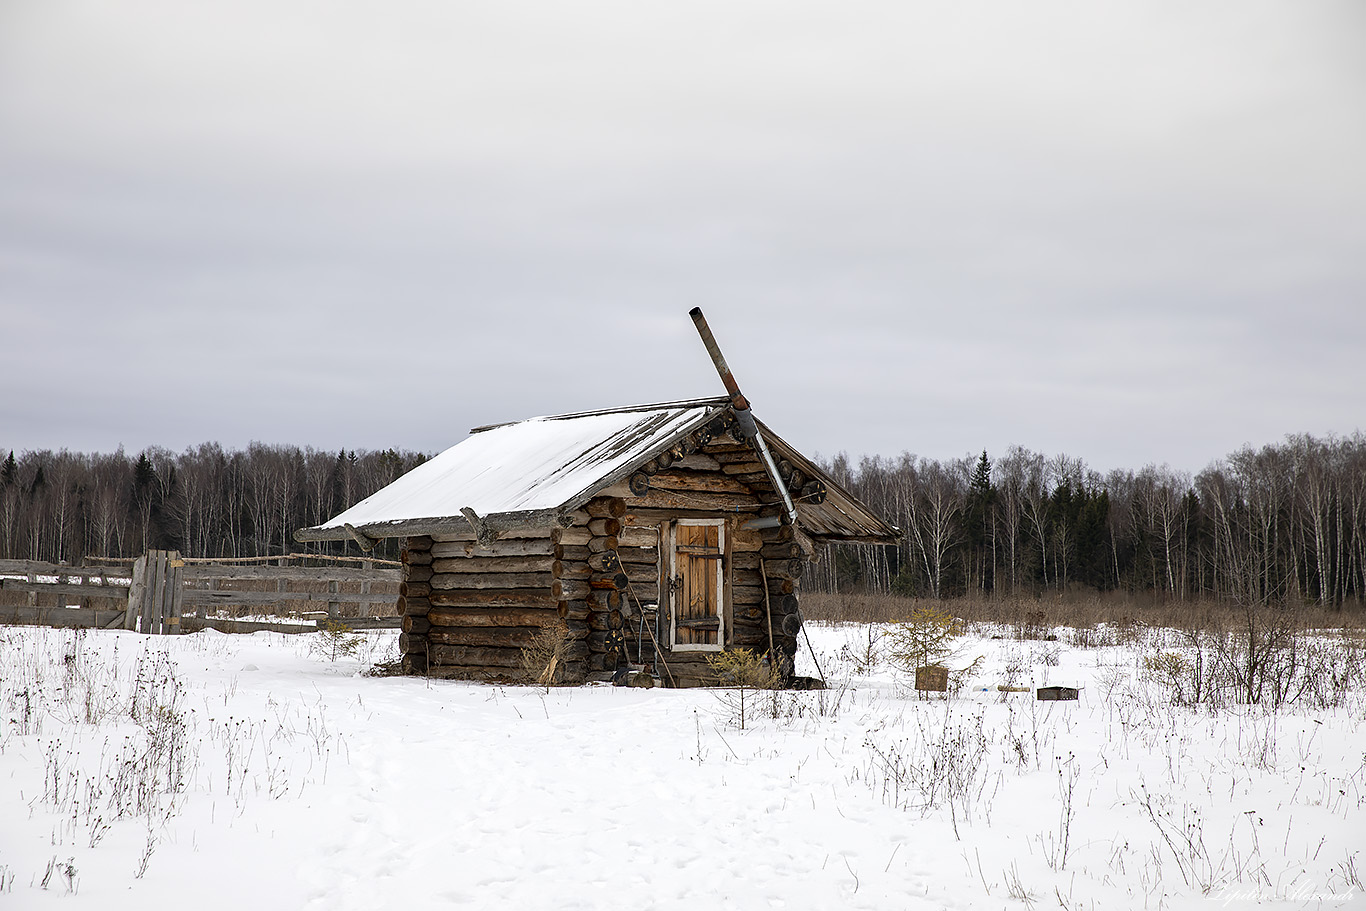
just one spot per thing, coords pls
(469, 608)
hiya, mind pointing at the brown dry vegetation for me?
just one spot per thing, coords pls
(1080, 610)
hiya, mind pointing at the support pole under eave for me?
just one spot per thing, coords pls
(740, 405)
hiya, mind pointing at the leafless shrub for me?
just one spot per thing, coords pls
(944, 765)
(543, 658)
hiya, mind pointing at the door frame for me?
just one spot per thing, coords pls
(675, 591)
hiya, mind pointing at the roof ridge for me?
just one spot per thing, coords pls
(624, 409)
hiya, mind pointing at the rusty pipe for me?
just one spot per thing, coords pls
(743, 414)
(727, 378)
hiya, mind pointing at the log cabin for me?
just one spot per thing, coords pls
(652, 536)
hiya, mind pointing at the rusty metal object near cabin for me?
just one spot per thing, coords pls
(1057, 693)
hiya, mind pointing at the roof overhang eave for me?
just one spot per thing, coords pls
(404, 528)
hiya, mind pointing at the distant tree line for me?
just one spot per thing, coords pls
(204, 502)
(1279, 524)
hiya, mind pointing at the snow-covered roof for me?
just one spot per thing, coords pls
(533, 471)
(544, 464)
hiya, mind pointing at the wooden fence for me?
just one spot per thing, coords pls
(162, 592)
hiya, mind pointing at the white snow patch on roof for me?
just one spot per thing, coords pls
(537, 464)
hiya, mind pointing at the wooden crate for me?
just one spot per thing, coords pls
(932, 679)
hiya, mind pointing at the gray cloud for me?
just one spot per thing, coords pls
(1130, 232)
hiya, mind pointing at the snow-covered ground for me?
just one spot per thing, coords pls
(216, 771)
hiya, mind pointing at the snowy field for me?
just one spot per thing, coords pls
(214, 771)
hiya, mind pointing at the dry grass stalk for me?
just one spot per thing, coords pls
(543, 657)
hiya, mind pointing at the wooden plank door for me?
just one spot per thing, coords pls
(697, 617)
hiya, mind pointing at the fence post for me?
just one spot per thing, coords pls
(156, 591)
(175, 591)
(137, 594)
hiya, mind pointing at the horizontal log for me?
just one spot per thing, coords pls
(642, 514)
(418, 625)
(644, 536)
(639, 483)
(410, 643)
(414, 664)
(462, 535)
(755, 480)
(416, 557)
(418, 573)
(598, 544)
(574, 570)
(538, 563)
(641, 572)
(781, 586)
(747, 559)
(479, 674)
(605, 620)
(487, 636)
(745, 637)
(418, 542)
(779, 534)
(414, 589)
(673, 499)
(750, 616)
(788, 551)
(747, 594)
(697, 482)
(474, 656)
(698, 461)
(495, 616)
(606, 507)
(460, 581)
(617, 581)
(518, 548)
(573, 610)
(572, 552)
(603, 599)
(572, 536)
(641, 593)
(648, 555)
(576, 629)
(723, 447)
(418, 607)
(603, 527)
(791, 569)
(493, 597)
(570, 589)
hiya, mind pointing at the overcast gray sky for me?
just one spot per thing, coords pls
(1129, 232)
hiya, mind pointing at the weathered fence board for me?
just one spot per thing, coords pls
(76, 617)
(206, 596)
(155, 592)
